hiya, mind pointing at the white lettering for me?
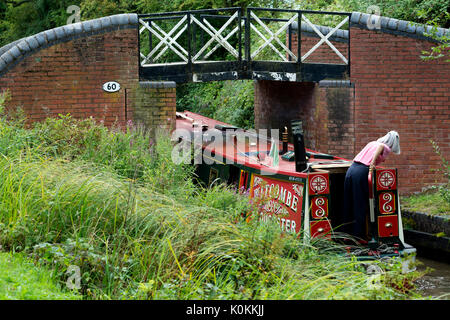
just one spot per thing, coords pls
(271, 190)
(282, 195)
(374, 21)
(213, 153)
(294, 204)
(276, 191)
(198, 141)
(74, 280)
(181, 153)
(288, 199)
(203, 310)
(257, 310)
(287, 225)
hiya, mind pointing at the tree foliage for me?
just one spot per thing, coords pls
(420, 11)
(20, 18)
(228, 101)
(23, 18)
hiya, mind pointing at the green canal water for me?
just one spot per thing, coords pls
(436, 283)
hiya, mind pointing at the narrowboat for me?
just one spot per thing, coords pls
(302, 189)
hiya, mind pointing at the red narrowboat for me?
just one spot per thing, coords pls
(302, 189)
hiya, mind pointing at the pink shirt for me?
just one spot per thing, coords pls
(366, 155)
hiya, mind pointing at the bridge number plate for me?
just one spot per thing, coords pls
(111, 86)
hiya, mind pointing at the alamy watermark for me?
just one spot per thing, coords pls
(76, 16)
(375, 275)
(74, 279)
(374, 21)
(227, 147)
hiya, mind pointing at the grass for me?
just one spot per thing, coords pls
(431, 203)
(145, 244)
(434, 200)
(20, 279)
(112, 203)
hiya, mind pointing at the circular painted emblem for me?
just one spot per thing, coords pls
(386, 179)
(318, 184)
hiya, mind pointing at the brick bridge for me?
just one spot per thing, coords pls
(364, 78)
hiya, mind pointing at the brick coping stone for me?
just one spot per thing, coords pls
(11, 53)
(386, 24)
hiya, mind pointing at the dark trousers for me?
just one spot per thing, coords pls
(356, 199)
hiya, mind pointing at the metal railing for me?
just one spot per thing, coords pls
(217, 44)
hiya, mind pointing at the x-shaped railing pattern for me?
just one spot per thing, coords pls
(220, 37)
(325, 38)
(272, 37)
(166, 40)
(216, 35)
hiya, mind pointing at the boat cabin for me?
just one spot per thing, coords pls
(301, 188)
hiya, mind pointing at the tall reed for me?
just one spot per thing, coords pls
(138, 229)
(141, 243)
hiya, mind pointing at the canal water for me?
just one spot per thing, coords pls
(436, 283)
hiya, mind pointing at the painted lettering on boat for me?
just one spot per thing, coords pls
(281, 200)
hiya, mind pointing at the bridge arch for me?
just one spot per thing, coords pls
(388, 87)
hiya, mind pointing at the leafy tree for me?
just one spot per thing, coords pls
(227, 101)
(421, 11)
(20, 18)
(24, 18)
(232, 101)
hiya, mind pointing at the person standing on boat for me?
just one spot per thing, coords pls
(356, 187)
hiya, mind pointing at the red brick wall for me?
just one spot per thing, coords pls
(154, 105)
(327, 113)
(335, 133)
(68, 77)
(323, 54)
(277, 102)
(396, 90)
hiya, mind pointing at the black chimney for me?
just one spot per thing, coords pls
(299, 145)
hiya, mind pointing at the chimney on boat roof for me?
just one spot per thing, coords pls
(299, 145)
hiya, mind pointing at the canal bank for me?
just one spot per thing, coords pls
(429, 234)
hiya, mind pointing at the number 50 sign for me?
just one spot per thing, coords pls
(111, 86)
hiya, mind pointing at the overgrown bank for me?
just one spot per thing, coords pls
(112, 203)
(434, 200)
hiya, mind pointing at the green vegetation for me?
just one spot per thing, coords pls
(112, 203)
(436, 199)
(420, 11)
(20, 279)
(228, 101)
(20, 18)
(429, 202)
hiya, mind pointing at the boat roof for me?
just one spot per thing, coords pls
(249, 153)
